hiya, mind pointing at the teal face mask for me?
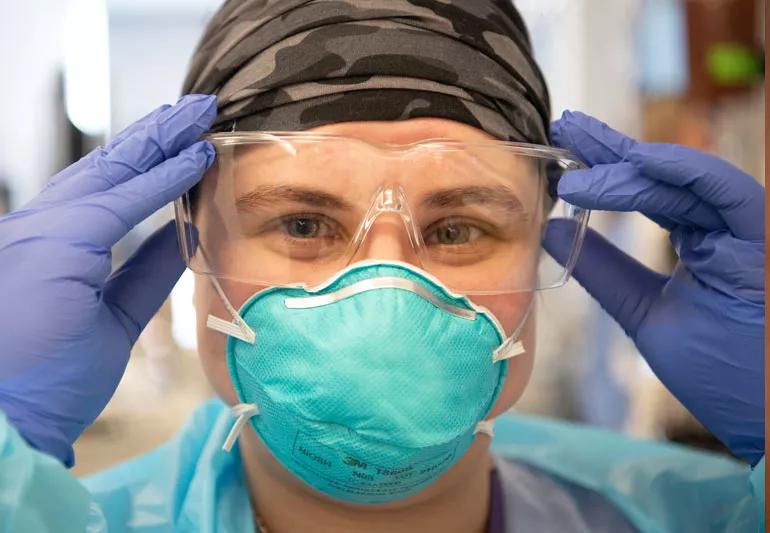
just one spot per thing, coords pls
(370, 387)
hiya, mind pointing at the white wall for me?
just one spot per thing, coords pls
(151, 42)
(586, 51)
(30, 52)
(150, 47)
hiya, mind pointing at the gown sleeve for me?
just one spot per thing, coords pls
(758, 484)
(38, 493)
(658, 486)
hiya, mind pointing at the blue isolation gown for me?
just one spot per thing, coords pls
(554, 476)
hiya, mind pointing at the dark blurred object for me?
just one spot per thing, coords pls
(73, 143)
(5, 197)
(689, 432)
(725, 53)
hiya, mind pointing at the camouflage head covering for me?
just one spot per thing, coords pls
(291, 65)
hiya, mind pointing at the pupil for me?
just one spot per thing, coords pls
(303, 227)
(453, 234)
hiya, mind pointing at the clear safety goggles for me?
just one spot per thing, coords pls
(294, 208)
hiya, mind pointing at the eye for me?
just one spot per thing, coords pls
(452, 234)
(307, 227)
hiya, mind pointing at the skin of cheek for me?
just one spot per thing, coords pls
(212, 345)
(510, 310)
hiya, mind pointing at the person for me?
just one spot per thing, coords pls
(365, 361)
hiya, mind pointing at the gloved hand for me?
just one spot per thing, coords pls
(701, 329)
(67, 326)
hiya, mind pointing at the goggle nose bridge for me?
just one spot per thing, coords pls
(388, 199)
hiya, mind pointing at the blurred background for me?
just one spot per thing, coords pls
(683, 71)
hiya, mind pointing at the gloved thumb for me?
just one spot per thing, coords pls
(623, 287)
(136, 291)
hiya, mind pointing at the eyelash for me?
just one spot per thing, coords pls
(338, 233)
(455, 220)
(322, 219)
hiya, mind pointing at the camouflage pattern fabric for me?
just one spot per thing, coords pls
(291, 65)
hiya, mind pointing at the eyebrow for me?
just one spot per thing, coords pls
(461, 196)
(268, 194)
(455, 197)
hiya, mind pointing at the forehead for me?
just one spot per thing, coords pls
(406, 131)
(354, 171)
(393, 133)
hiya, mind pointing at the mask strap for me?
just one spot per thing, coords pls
(238, 328)
(512, 346)
(487, 427)
(509, 349)
(243, 412)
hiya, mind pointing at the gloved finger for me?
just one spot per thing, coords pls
(591, 140)
(87, 160)
(721, 261)
(137, 289)
(621, 187)
(175, 129)
(623, 287)
(737, 197)
(121, 208)
(145, 145)
(138, 125)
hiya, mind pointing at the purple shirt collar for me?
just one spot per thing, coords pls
(496, 519)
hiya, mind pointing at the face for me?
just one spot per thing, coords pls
(385, 240)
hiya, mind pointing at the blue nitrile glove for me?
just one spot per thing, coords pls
(701, 329)
(66, 324)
